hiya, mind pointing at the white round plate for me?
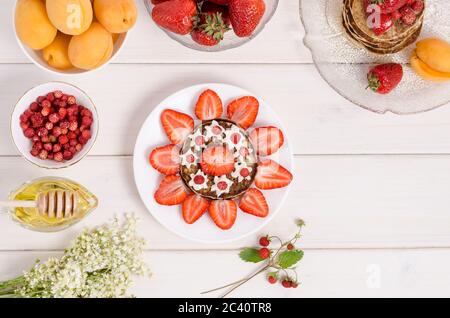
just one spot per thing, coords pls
(147, 179)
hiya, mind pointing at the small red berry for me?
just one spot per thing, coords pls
(64, 124)
(43, 154)
(53, 118)
(48, 146)
(38, 145)
(71, 100)
(286, 283)
(264, 241)
(34, 152)
(82, 140)
(67, 155)
(41, 132)
(50, 97)
(58, 156)
(46, 103)
(45, 111)
(56, 131)
(62, 112)
(294, 284)
(63, 139)
(86, 121)
(57, 94)
(34, 107)
(290, 247)
(24, 126)
(264, 253)
(417, 5)
(49, 125)
(57, 148)
(272, 279)
(29, 133)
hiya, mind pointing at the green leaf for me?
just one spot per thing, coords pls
(288, 259)
(250, 255)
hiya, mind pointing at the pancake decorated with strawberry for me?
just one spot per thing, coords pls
(383, 26)
(219, 165)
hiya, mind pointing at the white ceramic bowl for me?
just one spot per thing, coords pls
(230, 40)
(38, 60)
(24, 144)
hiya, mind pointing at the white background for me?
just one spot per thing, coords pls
(373, 189)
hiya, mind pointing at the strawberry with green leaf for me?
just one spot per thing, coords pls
(384, 78)
(211, 24)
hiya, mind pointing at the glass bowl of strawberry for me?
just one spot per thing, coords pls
(211, 25)
(54, 125)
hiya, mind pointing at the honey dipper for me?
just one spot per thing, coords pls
(54, 203)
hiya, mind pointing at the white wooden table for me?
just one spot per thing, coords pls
(374, 189)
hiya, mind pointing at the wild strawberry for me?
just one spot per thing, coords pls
(408, 15)
(50, 97)
(58, 156)
(73, 150)
(385, 77)
(67, 155)
(64, 97)
(82, 140)
(86, 121)
(24, 126)
(386, 22)
(71, 135)
(52, 139)
(49, 125)
(286, 283)
(64, 124)
(34, 107)
(57, 148)
(48, 146)
(62, 103)
(42, 131)
(78, 147)
(46, 111)
(62, 112)
(40, 99)
(86, 134)
(290, 246)
(73, 126)
(24, 118)
(57, 94)
(37, 120)
(38, 145)
(63, 139)
(86, 113)
(43, 154)
(418, 6)
(388, 6)
(56, 131)
(396, 15)
(53, 118)
(73, 142)
(264, 253)
(272, 279)
(71, 100)
(34, 152)
(294, 284)
(45, 139)
(264, 241)
(64, 131)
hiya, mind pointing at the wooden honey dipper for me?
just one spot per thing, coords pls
(54, 203)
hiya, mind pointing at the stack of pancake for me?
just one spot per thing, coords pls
(394, 40)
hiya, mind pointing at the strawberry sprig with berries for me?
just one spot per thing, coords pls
(279, 258)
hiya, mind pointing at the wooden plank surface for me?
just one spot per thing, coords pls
(318, 120)
(354, 273)
(347, 201)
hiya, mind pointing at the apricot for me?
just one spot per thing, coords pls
(33, 26)
(426, 72)
(57, 54)
(71, 17)
(91, 49)
(117, 16)
(435, 53)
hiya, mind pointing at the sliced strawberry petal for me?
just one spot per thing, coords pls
(244, 111)
(223, 213)
(166, 159)
(209, 106)
(254, 202)
(171, 191)
(194, 207)
(176, 125)
(217, 161)
(271, 175)
(267, 140)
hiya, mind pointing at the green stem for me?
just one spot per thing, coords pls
(11, 284)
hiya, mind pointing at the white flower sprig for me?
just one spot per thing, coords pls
(100, 264)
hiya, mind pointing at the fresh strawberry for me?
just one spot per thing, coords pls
(217, 161)
(387, 6)
(386, 22)
(194, 207)
(223, 213)
(245, 15)
(166, 159)
(211, 25)
(271, 175)
(408, 15)
(267, 140)
(243, 111)
(175, 15)
(171, 191)
(209, 106)
(176, 125)
(254, 202)
(385, 77)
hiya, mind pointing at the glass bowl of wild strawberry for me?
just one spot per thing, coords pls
(54, 125)
(211, 25)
